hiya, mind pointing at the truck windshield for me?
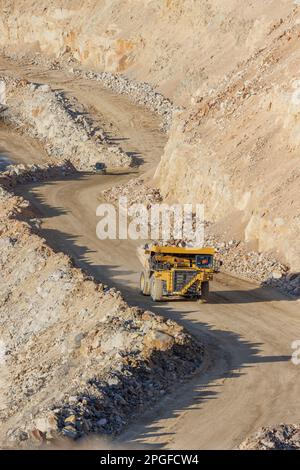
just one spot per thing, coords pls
(204, 261)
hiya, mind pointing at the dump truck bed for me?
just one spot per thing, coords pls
(177, 250)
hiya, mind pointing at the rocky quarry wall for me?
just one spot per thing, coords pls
(235, 147)
(183, 44)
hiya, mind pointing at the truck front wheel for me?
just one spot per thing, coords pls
(145, 283)
(204, 292)
(156, 289)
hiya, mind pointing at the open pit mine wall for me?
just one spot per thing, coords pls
(178, 45)
(236, 146)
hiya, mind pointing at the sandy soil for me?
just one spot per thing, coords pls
(248, 380)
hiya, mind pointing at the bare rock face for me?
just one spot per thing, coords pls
(236, 150)
(182, 46)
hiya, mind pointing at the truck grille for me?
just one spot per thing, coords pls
(181, 278)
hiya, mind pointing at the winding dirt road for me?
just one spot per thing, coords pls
(248, 379)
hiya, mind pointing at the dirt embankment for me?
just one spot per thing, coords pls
(140, 93)
(60, 125)
(32, 173)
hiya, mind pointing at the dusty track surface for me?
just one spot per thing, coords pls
(248, 379)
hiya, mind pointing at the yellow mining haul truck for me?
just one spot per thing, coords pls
(174, 271)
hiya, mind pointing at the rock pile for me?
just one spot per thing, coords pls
(136, 191)
(22, 174)
(260, 267)
(248, 264)
(127, 345)
(289, 282)
(282, 437)
(76, 358)
(60, 125)
(140, 93)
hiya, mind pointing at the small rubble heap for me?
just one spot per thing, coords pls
(282, 437)
(136, 191)
(22, 174)
(239, 261)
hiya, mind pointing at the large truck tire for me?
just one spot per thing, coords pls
(145, 283)
(156, 289)
(204, 292)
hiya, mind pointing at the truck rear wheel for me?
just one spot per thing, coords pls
(145, 283)
(204, 291)
(156, 289)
